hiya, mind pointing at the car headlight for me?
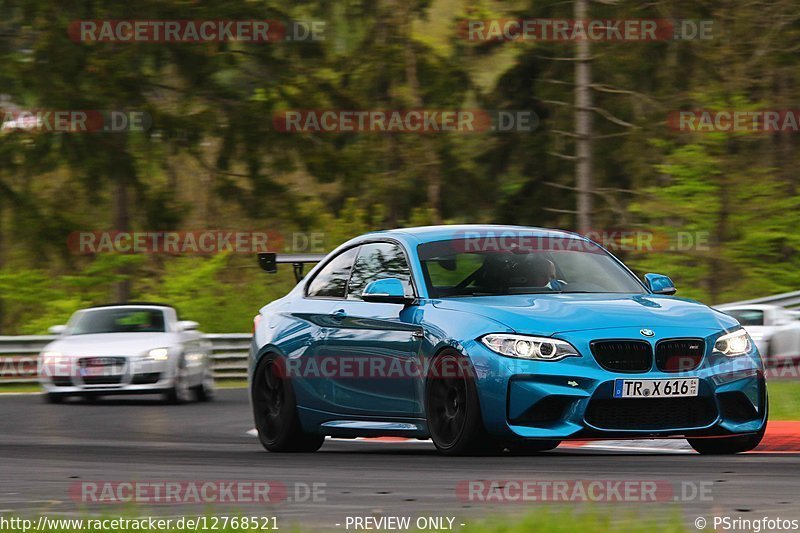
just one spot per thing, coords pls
(158, 354)
(733, 344)
(527, 347)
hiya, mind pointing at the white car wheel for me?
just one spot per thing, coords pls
(206, 390)
(179, 393)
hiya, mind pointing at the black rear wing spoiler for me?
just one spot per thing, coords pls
(269, 262)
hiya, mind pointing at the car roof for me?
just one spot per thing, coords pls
(129, 304)
(425, 234)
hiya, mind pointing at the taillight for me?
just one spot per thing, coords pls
(256, 320)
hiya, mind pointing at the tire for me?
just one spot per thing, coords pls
(531, 447)
(91, 398)
(275, 411)
(206, 390)
(54, 397)
(732, 445)
(453, 409)
(179, 393)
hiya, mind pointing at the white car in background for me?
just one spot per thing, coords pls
(775, 330)
(127, 349)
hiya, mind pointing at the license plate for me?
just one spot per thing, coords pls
(94, 371)
(656, 388)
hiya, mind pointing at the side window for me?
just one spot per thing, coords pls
(331, 281)
(378, 261)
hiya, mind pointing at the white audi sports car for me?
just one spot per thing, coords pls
(127, 349)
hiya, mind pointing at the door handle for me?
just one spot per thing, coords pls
(417, 334)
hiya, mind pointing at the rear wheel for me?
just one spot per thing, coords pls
(453, 409)
(275, 412)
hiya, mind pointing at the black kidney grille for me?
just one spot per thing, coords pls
(623, 356)
(679, 355)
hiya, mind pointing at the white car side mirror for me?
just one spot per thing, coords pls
(57, 330)
(188, 325)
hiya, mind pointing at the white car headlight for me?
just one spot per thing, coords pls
(733, 344)
(527, 347)
(158, 354)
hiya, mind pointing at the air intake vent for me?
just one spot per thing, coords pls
(651, 413)
(623, 355)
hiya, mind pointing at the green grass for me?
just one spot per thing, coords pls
(19, 387)
(784, 400)
(590, 522)
(545, 521)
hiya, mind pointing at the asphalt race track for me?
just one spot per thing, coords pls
(47, 449)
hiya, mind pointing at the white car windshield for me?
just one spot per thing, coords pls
(748, 317)
(117, 320)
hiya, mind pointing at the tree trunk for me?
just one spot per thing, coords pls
(583, 126)
(431, 166)
(122, 219)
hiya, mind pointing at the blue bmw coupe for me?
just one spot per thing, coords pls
(493, 338)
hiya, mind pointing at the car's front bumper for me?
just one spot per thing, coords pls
(573, 398)
(135, 376)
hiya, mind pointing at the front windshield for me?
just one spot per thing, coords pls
(117, 320)
(459, 267)
(747, 317)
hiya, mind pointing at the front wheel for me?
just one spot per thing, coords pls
(453, 409)
(206, 390)
(275, 412)
(179, 392)
(532, 447)
(727, 445)
(54, 397)
(731, 445)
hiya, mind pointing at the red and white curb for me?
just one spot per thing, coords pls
(781, 437)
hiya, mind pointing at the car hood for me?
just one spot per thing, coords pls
(548, 314)
(111, 343)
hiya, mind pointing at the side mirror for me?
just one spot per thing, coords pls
(188, 325)
(387, 290)
(57, 330)
(660, 284)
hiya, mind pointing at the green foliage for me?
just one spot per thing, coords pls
(784, 399)
(213, 158)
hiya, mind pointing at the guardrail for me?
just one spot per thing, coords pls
(789, 300)
(18, 356)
